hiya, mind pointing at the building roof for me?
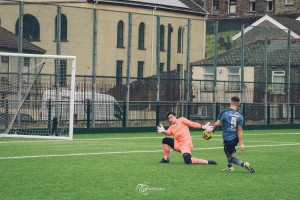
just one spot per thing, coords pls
(187, 6)
(281, 22)
(9, 43)
(277, 55)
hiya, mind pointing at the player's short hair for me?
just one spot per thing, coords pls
(235, 99)
(170, 113)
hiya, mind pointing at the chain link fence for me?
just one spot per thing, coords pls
(180, 64)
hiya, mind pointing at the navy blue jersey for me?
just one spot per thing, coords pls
(230, 120)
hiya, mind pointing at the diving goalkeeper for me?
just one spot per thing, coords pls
(181, 141)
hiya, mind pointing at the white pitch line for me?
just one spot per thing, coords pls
(130, 138)
(131, 152)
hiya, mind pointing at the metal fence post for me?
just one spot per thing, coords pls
(268, 113)
(292, 113)
(94, 67)
(157, 113)
(88, 113)
(124, 124)
(217, 110)
(49, 114)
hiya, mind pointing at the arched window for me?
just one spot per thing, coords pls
(120, 35)
(162, 37)
(64, 28)
(141, 36)
(31, 28)
(180, 40)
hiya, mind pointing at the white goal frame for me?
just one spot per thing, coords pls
(72, 93)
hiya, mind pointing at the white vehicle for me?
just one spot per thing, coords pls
(105, 107)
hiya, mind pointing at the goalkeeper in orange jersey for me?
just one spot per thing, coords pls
(182, 141)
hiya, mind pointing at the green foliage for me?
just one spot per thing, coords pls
(224, 42)
(112, 166)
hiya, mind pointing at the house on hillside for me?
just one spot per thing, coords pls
(271, 69)
(270, 27)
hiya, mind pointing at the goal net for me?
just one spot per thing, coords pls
(37, 95)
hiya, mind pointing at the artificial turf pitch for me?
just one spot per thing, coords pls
(125, 166)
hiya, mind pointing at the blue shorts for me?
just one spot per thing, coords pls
(229, 146)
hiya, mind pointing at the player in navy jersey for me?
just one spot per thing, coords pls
(232, 132)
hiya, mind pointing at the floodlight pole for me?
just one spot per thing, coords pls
(20, 50)
(188, 66)
(266, 72)
(128, 66)
(289, 76)
(242, 64)
(157, 68)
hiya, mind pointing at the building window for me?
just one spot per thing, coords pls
(161, 68)
(180, 40)
(119, 70)
(179, 68)
(208, 79)
(31, 28)
(215, 7)
(141, 36)
(162, 38)
(252, 5)
(27, 62)
(232, 6)
(269, 5)
(4, 69)
(140, 71)
(278, 81)
(120, 34)
(64, 28)
(289, 2)
(234, 79)
(61, 73)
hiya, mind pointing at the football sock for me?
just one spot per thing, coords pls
(237, 161)
(199, 161)
(166, 150)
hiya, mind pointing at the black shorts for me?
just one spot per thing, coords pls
(169, 141)
(229, 146)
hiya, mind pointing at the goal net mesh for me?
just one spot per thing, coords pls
(36, 95)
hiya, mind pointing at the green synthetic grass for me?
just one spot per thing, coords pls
(120, 166)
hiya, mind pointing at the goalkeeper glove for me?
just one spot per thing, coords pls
(208, 127)
(160, 129)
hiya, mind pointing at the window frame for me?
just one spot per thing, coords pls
(140, 70)
(64, 28)
(62, 78)
(4, 64)
(252, 5)
(162, 38)
(268, 3)
(289, 2)
(119, 72)
(235, 83)
(215, 6)
(180, 37)
(208, 76)
(278, 85)
(31, 28)
(161, 68)
(232, 7)
(120, 34)
(141, 37)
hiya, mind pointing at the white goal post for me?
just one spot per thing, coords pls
(37, 95)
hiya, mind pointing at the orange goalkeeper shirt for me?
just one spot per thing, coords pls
(181, 133)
